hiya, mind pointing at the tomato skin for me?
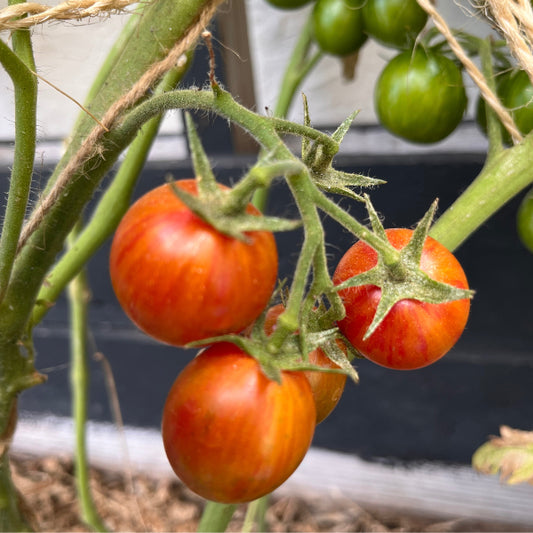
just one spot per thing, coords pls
(420, 96)
(231, 434)
(327, 387)
(516, 93)
(180, 280)
(338, 26)
(524, 221)
(288, 4)
(413, 334)
(394, 23)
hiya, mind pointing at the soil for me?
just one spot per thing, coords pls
(141, 503)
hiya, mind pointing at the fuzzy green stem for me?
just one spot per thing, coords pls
(388, 253)
(109, 211)
(504, 176)
(79, 378)
(25, 90)
(216, 517)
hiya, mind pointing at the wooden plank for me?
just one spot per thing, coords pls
(432, 490)
(235, 51)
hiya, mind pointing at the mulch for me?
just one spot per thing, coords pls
(142, 503)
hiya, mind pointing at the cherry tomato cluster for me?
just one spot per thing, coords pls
(420, 95)
(230, 431)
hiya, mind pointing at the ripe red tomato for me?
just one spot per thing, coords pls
(393, 23)
(327, 387)
(179, 279)
(420, 96)
(230, 433)
(414, 334)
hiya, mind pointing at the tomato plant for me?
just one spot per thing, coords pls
(393, 23)
(231, 434)
(327, 387)
(525, 221)
(420, 96)
(338, 26)
(179, 279)
(413, 334)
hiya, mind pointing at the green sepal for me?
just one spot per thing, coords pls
(339, 182)
(403, 280)
(207, 184)
(210, 210)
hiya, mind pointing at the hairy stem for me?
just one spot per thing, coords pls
(504, 176)
(25, 85)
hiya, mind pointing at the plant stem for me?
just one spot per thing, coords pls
(25, 90)
(504, 176)
(256, 513)
(10, 516)
(216, 517)
(79, 379)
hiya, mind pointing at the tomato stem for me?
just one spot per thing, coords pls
(216, 517)
(17, 63)
(502, 177)
(79, 378)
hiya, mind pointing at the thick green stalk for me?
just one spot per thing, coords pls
(10, 516)
(79, 379)
(16, 63)
(504, 176)
(216, 517)
(109, 211)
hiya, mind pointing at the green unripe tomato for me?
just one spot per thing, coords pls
(394, 23)
(288, 4)
(338, 26)
(524, 221)
(518, 97)
(515, 90)
(420, 96)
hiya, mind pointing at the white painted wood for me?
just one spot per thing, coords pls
(429, 489)
(69, 55)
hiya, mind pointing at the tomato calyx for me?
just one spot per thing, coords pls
(319, 162)
(227, 210)
(293, 353)
(403, 279)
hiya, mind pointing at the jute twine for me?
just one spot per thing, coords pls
(91, 144)
(471, 68)
(30, 14)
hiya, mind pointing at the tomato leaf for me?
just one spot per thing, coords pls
(510, 454)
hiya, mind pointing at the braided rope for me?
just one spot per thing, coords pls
(91, 144)
(29, 14)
